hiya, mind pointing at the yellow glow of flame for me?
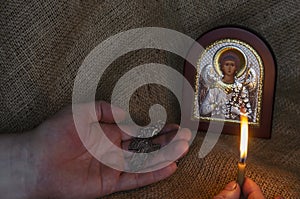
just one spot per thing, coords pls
(244, 137)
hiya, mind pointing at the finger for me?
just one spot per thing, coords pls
(118, 133)
(106, 112)
(135, 180)
(231, 191)
(167, 134)
(123, 133)
(128, 132)
(251, 190)
(278, 197)
(170, 127)
(174, 150)
(172, 153)
(156, 160)
(98, 111)
(165, 138)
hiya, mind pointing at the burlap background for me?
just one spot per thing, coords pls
(43, 43)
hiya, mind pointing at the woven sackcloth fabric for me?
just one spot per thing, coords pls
(43, 43)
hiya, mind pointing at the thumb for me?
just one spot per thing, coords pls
(251, 190)
(108, 113)
(231, 191)
(97, 111)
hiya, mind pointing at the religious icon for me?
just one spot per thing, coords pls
(229, 79)
(235, 76)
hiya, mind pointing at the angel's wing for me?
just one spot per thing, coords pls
(250, 80)
(209, 76)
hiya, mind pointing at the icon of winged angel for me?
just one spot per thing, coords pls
(227, 84)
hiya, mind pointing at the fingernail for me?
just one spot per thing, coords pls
(231, 186)
(235, 186)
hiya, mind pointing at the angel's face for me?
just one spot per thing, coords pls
(229, 68)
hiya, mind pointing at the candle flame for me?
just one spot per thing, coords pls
(244, 138)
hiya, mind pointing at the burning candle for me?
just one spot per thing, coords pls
(243, 150)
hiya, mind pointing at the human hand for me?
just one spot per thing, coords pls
(66, 169)
(250, 191)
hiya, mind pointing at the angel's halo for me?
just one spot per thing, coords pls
(230, 48)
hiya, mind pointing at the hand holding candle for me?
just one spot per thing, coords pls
(243, 150)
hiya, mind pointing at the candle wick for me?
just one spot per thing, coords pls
(243, 160)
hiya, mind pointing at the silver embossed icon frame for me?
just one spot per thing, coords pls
(209, 73)
(251, 90)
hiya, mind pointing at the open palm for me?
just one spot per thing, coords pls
(66, 169)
